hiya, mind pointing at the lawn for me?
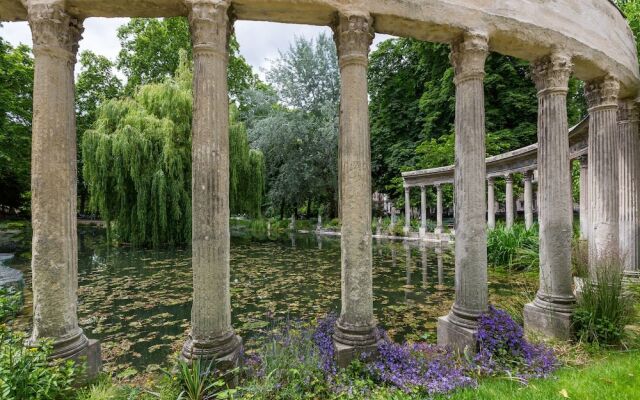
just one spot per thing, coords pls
(616, 376)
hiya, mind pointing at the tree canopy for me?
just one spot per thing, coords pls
(412, 108)
(16, 99)
(137, 164)
(150, 53)
(295, 125)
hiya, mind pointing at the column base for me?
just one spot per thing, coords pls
(423, 232)
(458, 338)
(438, 230)
(554, 324)
(631, 276)
(351, 342)
(79, 349)
(406, 230)
(223, 351)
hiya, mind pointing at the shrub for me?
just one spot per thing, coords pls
(10, 303)
(515, 248)
(26, 373)
(197, 380)
(504, 350)
(603, 308)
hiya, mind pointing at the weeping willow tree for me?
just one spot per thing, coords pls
(137, 165)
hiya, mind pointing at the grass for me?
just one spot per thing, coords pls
(615, 377)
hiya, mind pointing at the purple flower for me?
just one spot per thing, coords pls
(504, 349)
(323, 338)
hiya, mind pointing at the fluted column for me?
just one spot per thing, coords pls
(54, 262)
(211, 336)
(439, 226)
(423, 210)
(458, 329)
(602, 98)
(407, 210)
(528, 199)
(355, 330)
(491, 200)
(629, 170)
(584, 196)
(508, 179)
(550, 312)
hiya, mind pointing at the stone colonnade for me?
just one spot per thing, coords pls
(612, 180)
(56, 35)
(491, 202)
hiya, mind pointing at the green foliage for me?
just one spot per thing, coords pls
(298, 138)
(412, 108)
(603, 308)
(95, 84)
(137, 164)
(16, 102)
(10, 303)
(514, 248)
(197, 380)
(26, 373)
(151, 48)
(290, 369)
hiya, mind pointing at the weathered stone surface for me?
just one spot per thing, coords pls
(546, 322)
(468, 57)
(508, 202)
(593, 30)
(602, 98)
(211, 335)
(10, 276)
(356, 327)
(439, 226)
(528, 199)
(584, 196)
(555, 296)
(491, 202)
(459, 338)
(629, 194)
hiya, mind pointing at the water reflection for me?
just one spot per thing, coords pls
(137, 302)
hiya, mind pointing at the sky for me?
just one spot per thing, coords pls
(259, 41)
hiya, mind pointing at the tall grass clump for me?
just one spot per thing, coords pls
(603, 308)
(515, 248)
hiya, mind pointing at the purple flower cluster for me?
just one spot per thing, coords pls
(418, 367)
(323, 338)
(504, 349)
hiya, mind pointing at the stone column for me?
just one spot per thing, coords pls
(602, 98)
(508, 179)
(528, 199)
(550, 312)
(423, 211)
(628, 120)
(211, 336)
(584, 196)
(54, 262)
(458, 329)
(491, 201)
(355, 330)
(439, 226)
(407, 210)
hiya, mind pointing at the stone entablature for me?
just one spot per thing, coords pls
(516, 161)
(593, 33)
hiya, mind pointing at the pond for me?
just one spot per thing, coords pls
(138, 302)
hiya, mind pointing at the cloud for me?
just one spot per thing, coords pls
(259, 41)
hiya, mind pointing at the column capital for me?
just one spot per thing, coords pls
(528, 175)
(407, 189)
(353, 34)
(423, 188)
(551, 74)
(211, 25)
(468, 56)
(628, 111)
(602, 93)
(508, 178)
(491, 180)
(54, 31)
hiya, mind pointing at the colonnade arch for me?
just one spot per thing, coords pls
(559, 37)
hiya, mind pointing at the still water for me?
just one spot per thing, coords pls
(138, 302)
